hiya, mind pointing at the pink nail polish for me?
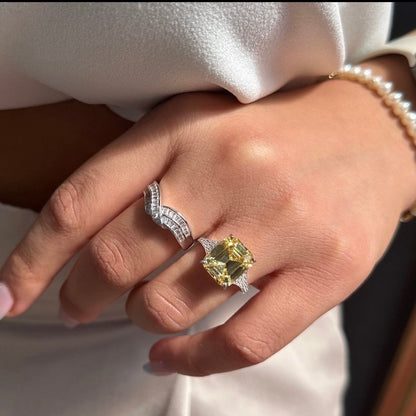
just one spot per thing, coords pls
(6, 300)
(68, 321)
(158, 368)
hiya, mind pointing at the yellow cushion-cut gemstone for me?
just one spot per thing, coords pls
(227, 261)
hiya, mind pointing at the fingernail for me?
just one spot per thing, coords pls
(6, 300)
(68, 321)
(158, 368)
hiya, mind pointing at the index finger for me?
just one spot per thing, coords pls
(89, 199)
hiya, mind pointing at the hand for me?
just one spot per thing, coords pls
(313, 182)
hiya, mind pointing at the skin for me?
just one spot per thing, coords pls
(313, 181)
(41, 146)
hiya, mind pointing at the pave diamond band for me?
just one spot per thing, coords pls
(167, 217)
(227, 261)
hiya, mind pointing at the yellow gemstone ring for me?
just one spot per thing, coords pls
(227, 261)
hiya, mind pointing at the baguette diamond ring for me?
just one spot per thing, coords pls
(167, 217)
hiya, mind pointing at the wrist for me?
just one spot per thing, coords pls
(393, 69)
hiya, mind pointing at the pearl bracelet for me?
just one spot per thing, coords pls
(392, 99)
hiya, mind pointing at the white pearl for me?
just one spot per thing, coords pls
(405, 106)
(405, 121)
(412, 116)
(397, 111)
(400, 108)
(393, 99)
(387, 100)
(374, 82)
(408, 119)
(385, 88)
(367, 75)
(346, 68)
(396, 96)
(356, 73)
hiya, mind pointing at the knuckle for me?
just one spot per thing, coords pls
(248, 348)
(112, 260)
(346, 254)
(353, 251)
(338, 248)
(166, 311)
(249, 146)
(64, 208)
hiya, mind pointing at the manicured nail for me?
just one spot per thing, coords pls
(68, 321)
(158, 368)
(6, 300)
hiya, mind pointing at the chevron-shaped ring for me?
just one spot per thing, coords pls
(167, 217)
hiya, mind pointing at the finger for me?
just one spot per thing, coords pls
(116, 259)
(286, 305)
(131, 246)
(185, 292)
(97, 192)
(123, 253)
